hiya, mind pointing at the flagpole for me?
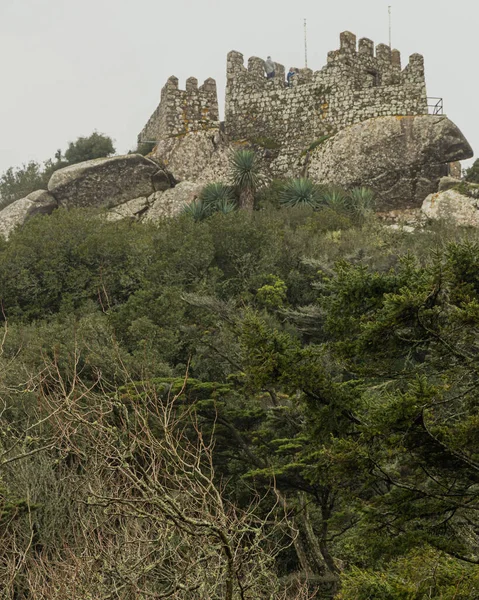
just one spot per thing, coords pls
(390, 26)
(305, 45)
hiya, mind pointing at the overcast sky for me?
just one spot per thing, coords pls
(72, 66)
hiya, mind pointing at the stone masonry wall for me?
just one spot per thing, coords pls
(355, 85)
(182, 111)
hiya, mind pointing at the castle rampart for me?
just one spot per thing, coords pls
(359, 81)
(356, 84)
(181, 111)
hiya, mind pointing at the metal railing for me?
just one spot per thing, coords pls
(435, 106)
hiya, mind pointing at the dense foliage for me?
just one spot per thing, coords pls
(293, 389)
(95, 145)
(472, 173)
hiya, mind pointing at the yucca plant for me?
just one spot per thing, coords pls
(246, 176)
(197, 210)
(334, 198)
(214, 195)
(300, 192)
(361, 201)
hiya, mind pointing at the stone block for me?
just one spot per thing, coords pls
(366, 47)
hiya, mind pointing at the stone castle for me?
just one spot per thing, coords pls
(359, 82)
(361, 121)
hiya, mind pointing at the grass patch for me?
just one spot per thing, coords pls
(266, 143)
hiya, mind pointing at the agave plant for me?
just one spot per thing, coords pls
(335, 198)
(215, 195)
(361, 201)
(225, 206)
(300, 192)
(197, 210)
(246, 176)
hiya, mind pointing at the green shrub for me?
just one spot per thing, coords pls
(266, 143)
(300, 192)
(422, 574)
(273, 294)
(361, 201)
(335, 198)
(226, 206)
(269, 195)
(144, 148)
(94, 146)
(197, 210)
(216, 195)
(472, 173)
(18, 183)
(317, 143)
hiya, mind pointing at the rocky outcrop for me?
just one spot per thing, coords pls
(107, 182)
(400, 158)
(446, 183)
(133, 209)
(201, 156)
(19, 212)
(454, 206)
(170, 203)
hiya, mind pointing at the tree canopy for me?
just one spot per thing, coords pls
(285, 399)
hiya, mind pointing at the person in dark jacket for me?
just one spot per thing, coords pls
(290, 75)
(269, 68)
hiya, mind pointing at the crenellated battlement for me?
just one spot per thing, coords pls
(182, 111)
(253, 76)
(358, 64)
(368, 66)
(360, 80)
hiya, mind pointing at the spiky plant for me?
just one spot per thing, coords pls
(197, 210)
(215, 194)
(225, 206)
(361, 201)
(300, 192)
(334, 198)
(246, 176)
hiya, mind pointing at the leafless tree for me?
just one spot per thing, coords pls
(147, 516)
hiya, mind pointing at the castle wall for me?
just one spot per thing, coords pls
(182, 111)
(355, 85)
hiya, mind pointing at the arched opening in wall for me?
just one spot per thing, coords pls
(373, 78)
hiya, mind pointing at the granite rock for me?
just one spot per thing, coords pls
(447, 182)
(201, 156)
(106, 182)
(133, 209)
(400, 158)
(19, 212)
(170, 203)
(452, 206)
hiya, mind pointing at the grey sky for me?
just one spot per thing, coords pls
(69, 67)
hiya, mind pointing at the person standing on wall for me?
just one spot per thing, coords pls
(289, 76)
(269, 68)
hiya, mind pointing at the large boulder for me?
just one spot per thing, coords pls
(133, 209)
(19, 212)
(107, 182)
(400, 158)
(446, 183)
(170, 203)
(201, 156)
(453, 206)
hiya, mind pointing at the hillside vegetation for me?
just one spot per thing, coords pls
(278, 404)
